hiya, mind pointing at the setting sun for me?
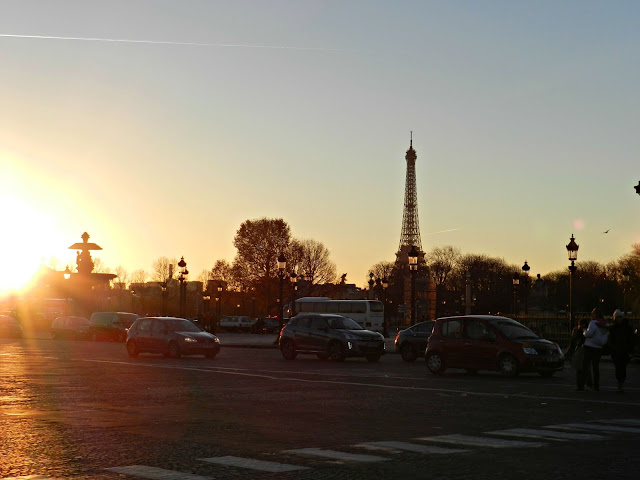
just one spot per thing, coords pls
(25, 242)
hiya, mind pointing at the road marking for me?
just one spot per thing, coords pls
(480, 441)
(546, 434)
(349, 457)
(592, 426)
(253, 464)
(31, 477)
(409, 447)
(154, 473)
(251, 374)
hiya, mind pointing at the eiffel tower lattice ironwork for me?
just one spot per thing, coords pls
(410, 235)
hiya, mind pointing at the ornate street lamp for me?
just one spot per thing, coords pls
(516, 282)
(206, 298)
(282, 264)
(572, 252)
(218, 301)
(413, 269)
(182, 277)
(527, 285)
(163, 287)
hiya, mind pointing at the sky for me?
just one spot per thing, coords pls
(159, 126)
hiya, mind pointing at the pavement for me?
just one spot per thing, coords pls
(268, 340)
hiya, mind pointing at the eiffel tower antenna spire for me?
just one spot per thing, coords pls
(410, 235)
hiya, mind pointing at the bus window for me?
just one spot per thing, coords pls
(320, 307)
(333, 307)
(376, 306)
(345, 307)
(359, 307)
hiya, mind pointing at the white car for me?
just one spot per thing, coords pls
(236, 323)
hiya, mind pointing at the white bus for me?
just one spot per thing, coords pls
(368, 314)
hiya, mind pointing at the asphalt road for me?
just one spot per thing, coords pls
(84, 410)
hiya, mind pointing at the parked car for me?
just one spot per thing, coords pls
(267, 325)
(329, 336)
(412, 342)
(236, 323)
(111, 326)
(72, 327)
(10, 327)
(171, 336)
(484, 342)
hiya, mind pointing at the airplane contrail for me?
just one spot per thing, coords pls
(443, 231)
(161, 42)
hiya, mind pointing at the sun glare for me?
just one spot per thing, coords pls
(24, 243)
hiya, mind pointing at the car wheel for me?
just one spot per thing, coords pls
(546, 374)
(322, 356)
(373, 358)
(336, 352)
(508, 366)
(132, 348)
(174, 350)
(408, 353)
(288, 350)
(435, 363)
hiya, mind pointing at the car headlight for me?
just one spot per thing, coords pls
(216, 339)
(190, 340)
(528, 350)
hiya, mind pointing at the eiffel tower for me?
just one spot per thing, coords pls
(410, 234)
(409, 238)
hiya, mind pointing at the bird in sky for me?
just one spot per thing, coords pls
(606, 231)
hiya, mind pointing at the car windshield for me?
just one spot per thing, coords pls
(513, 329)
(180, 326)
(343, 323)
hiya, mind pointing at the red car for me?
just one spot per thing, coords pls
(485, 342)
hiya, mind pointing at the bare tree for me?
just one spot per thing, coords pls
(381, 270)
(139, 276)
(123, 276)
(441, 262)
(316, 264)
(162, 267)
(99, 266)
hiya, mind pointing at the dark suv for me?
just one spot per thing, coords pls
(485, 342)
(329, 336)
(170, 336)
(110, 325)
(412, 341)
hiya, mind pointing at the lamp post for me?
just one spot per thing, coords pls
(625, 283)
(525, 269)
(282, 264)
(294, 289)
(385, 284)
(413, 269)
(572, 251)
(206, 298)
(218, 301)
(516, 282)
(163, 287)
(182, 277)
(370, 282)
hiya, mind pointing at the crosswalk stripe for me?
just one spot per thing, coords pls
(154, 473)
(253, 464)
(480, 441)
(31, 477)
(545, 434)
(350, 457)
(593, 426)
(409, 447)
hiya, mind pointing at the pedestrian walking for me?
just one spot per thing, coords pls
(575, 352)
(595, 337)
(621, 343)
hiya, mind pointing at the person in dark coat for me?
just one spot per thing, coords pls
(577, 341)
(621, 343)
